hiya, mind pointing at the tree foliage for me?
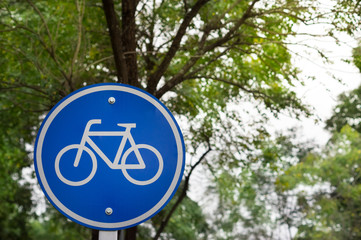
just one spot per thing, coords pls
(251, 203)
(330, 209)
(58, 227)
(327, 183)
(198, 56)
(348, 110)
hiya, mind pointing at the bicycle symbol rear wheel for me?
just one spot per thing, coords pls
(59, 157)
(137, 147)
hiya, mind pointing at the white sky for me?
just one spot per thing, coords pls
(321, 93)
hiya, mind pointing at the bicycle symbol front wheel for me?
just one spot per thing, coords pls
(77, 147)
(137, 148)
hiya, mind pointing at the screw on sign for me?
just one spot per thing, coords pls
(109, 156)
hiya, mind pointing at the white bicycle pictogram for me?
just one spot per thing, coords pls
(126, 134)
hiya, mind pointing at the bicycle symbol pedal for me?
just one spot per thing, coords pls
(120, 159)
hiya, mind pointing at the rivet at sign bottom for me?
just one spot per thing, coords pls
(109, 211)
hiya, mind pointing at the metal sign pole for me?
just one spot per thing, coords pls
(108, 235)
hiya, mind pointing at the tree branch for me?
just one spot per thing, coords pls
(230, 33)
(116, 40)
(50, 49)
(97, 62)
(45, 25)
(129, 40)
(23, 85)
(177, 79)
(149, 58)
(156, 76)
(255, 93)
(181, 196)
(81, 9)
(182, 76)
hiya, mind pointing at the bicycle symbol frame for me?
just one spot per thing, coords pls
(127, 136)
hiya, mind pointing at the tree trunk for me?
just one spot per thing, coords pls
(124, 46)
(116, 40)
(95, 234)
(129, 40)
(131, 233)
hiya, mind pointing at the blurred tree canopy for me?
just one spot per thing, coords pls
(348, 110)
(222, 67)
(326, 188)
(326, 184)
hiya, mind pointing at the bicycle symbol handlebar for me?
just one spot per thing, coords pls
(134, 148)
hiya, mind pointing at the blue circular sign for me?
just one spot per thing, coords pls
(109, 156)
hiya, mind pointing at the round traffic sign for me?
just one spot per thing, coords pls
(109, 156)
